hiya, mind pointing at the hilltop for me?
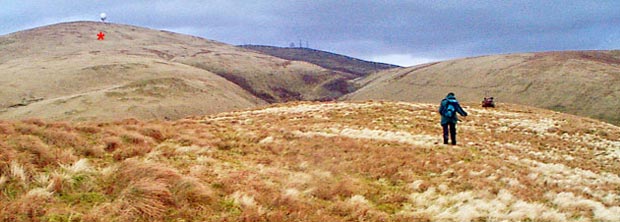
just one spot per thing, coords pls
(345, 161)
(63, 72)
(585, 83)
(324, 59)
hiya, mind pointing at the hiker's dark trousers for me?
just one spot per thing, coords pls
(449, 128)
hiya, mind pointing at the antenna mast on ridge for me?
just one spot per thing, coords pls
(103, 17)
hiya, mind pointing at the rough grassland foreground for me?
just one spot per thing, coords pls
(375, 161)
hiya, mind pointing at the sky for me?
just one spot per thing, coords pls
(401, 32)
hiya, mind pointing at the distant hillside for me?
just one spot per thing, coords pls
(585, 83)
(63, 72)
(326, 162)
(324, 59)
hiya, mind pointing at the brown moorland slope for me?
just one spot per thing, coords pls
(63, 72)
(324, 59)
(346, 161)
(585, 83)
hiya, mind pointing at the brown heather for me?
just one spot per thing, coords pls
(363, 161)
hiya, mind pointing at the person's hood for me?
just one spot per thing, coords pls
(451, 97)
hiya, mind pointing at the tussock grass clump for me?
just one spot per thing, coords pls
(91, 151)
(7, 154)
(135, 138)
(132, 170)
(6, 128)
(333, 189)
(24, 128)
(130, 152)
(29, 207)
(62, 139)
(146, 191)
(134, 144)
(289, 199)
(18, 172)
(144, 199)
(112, 143)
(157, 133)
(190, 191)
(41, 154)
(58, 182)
(87, 129)
(359, 209)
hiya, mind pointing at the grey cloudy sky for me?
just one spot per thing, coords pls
(404, 32)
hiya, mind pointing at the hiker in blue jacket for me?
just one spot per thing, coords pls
(448, 109)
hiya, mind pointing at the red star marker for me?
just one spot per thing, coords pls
(100, 36)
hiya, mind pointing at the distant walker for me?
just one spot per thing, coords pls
(448, 109)
(488, 102)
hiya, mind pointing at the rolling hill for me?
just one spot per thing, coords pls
(63, 72)
(585, 83)
(324, 59)
(345, 161)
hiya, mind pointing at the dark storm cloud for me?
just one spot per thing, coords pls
(414, 30)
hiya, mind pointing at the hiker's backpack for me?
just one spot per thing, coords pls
(449, 111)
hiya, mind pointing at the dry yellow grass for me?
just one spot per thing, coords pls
(345, 161)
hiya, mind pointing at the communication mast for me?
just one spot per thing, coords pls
(103, 17)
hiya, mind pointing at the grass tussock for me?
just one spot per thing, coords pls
(6, 128)
(40, 152)
(134, 170)
(144, 199)
(132, 151)
(61, 138)
(111, 144)
(30, 207)
(158, 134)
(146, 191)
